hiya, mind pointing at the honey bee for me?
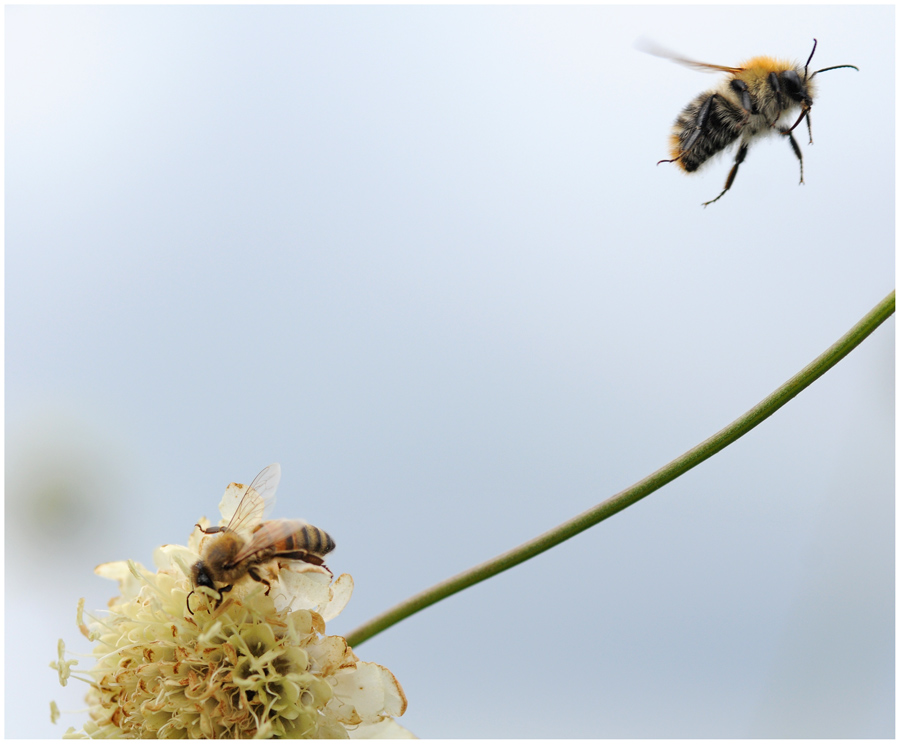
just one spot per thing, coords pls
(247, 542)
(749, 104)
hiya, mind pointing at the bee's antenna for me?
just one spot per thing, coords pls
(806, 66)
(824, 69)
(836, 67)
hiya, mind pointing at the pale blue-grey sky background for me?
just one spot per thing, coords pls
(424, 258)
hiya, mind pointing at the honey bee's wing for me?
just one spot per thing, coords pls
(656, 50)
(274, 532)
(257, 500)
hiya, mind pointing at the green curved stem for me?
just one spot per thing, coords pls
(639, 490)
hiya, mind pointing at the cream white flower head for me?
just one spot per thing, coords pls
(245, 664)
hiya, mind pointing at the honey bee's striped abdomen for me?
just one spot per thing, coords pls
(293, 539)
(308, 539)
(705, 127)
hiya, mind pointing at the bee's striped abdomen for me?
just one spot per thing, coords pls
(706, 126)
(308, 539)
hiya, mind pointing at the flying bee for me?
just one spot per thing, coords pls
(247, 542)
(749, 104)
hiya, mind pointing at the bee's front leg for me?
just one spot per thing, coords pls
(796, 148)
(222, 594)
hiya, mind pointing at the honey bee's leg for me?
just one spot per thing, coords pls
(796, 148)
(256, 577)
(222, 593)
(218, 601)
(809, 127)
(738, 159)
(209, 530)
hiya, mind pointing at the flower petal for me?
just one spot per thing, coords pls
(341, 591)
(387, 728)
(230, 500)
(302, 586)
(129, 584)
(367, 693)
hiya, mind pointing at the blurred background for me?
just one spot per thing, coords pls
(424, 258)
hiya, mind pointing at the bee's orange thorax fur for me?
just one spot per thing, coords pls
(762, 66)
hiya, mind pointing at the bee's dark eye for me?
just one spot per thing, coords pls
(793, 86)
(201, 577)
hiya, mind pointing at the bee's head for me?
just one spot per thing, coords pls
(796, 88)
(200, 575)
(801, 89)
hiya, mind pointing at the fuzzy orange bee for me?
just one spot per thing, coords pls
(752, 102)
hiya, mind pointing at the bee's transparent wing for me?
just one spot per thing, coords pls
(273, 533)
(257, 500)
(651, 47)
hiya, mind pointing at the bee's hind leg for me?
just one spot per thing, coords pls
(738, 159)
(796, 148)
(700, 127)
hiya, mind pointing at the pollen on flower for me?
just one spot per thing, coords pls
(249, 665)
